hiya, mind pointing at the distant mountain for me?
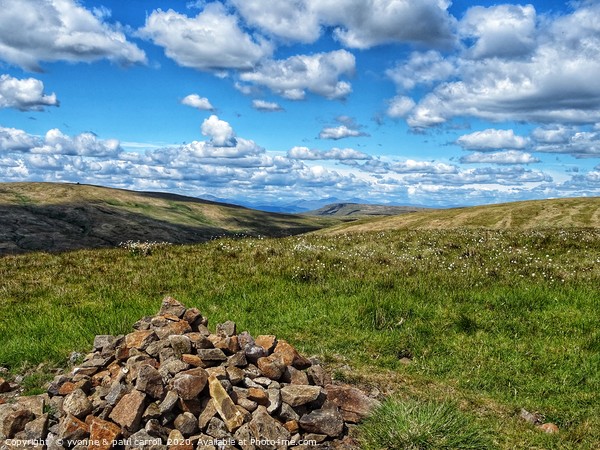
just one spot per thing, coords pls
(58, 217)
(355, 210)
(532, 214)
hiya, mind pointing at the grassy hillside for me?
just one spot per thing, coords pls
(54, 217)
(567, 212)
(354, 210)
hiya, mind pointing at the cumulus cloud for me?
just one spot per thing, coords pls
(341, 154)
(84, 144)
(221, 134)
(24, 94)
(262, 105)
(499, 31)
(507, 157)
(492, 139)
(549, 79)
(60, 30)
(422, 68)
(400, 106)
(13, 139)
(195, 101)
(340, 132)
(508, 176)
(572, 141)
(319, 73)
(213, 40)
(356, 23)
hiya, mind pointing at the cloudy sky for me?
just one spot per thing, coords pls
(426, 102)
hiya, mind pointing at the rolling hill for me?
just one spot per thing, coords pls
(356, 210)
(554, 213)
(58, 217)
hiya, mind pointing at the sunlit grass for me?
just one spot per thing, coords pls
(502, 318)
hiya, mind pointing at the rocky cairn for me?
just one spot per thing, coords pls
(173, 384)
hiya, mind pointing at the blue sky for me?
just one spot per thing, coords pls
(426, 102)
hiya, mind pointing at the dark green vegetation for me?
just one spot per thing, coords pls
(354, 210)
(493, 320)
(415, 425)
(58, 217)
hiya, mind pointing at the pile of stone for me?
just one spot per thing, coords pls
(173, 384)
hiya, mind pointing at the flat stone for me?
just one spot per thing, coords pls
(78, 404)
(275, 402)
(235, 375)
(15, 422)
(171, 306)
(318, 376)
(266, 341)
(193, 317)
(354, 404)
(296, 395)
(294, 376)
(226, 328)
(290, 355)
(186, 423)
(37, 428)
(102, 434)
(142, 440)
(265, 428)
(189, 384)
(149, 381)
(193, 360)
(232, 418)
(128, 412)
(140, 339)
(71, 427)
(237, 360)
(168, 402)
(207, 414)
(327, 421)
(180, 343)
(272, 366)
(211, 354)
(117, 391)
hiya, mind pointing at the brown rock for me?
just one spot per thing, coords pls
(169, 402)
(258, 395)
(102, 433)
(294, 376)
(211, 354)
(37, 428)
(178, 327)
(128, 412)
(15, 422)
(318, 376)
(271, 366)
(354, 404)
(140, 339)
(266, 341)
(150, 382)
(186, 423)
(71, 427)
(190, 383)
(549, 427)
(208, 413)
(4, 386)
(292, 426)
(290, 355)
(327, 420)
(180, 343)
(235, 375)
(224, 405)
(77, 404)
(193, 360)
(266, 428)
(296, 395)
(171, 306)
(193, 316)
(177, 441)
(226, 328)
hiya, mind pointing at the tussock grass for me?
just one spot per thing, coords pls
(500, 320)
(413, 425)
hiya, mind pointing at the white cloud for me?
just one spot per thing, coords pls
(422, 68)
(220, 132)
(400, 106)
(580, 144)
(492, 139)
(356, 23)
(499, 31)
(507, 157)
(341, 154)
(554, 83)
(12, 139)
(24, 94)
(508, 176)
(318, 73)
(84, 144)
(195, 101)
(32, 31)
(262, 105)
(340, 132)
(213, 40)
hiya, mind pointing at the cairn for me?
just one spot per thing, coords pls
(174, 384)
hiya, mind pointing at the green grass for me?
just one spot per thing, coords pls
(414, 425)
(494, 320)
